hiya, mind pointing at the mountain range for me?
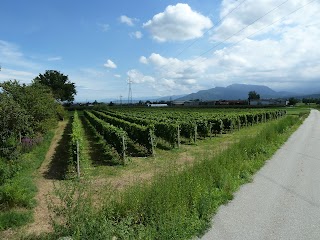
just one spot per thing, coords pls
(235, 92)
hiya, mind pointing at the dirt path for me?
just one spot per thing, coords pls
(45, 185)
(283, 201)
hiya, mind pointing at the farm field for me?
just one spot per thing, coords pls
(125, 152)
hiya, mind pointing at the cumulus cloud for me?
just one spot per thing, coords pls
(178, 23)
(137, 35)
(110, 64)
(143, 60)
(137, 77)
(288, 61)
(126, 20)
(172, 74)
(266, 12)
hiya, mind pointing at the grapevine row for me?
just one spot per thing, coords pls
(114, 136)
(140, 134)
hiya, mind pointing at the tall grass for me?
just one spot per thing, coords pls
(17, 193)
(175, 205)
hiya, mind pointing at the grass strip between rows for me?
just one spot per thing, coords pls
(175, 205)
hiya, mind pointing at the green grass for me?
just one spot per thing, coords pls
(14, 219)
(178, 203)
(17, 194)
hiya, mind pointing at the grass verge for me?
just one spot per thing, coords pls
(176, 205)
(17, 194)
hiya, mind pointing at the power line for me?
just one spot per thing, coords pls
(196, 40)
(210, 28)
(130, 91)
(278, 20)
(241, 30)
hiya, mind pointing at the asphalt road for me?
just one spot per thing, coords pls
(283, 201)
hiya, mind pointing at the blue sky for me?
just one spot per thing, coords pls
(164, 47)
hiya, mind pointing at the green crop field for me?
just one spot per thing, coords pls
(150, 173)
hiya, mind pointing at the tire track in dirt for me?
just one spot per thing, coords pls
(45, 187)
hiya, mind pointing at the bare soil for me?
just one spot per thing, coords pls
(45, 186)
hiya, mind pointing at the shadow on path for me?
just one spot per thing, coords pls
(58, 166)
(99, 156)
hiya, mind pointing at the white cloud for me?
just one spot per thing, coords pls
(54, 59)
(117, 75)
(143, 60)
(266, 12)
(126, 20)
(12, 57)
(11, 74)
(110, 64)
(171, 74)
(178, 23)
(137, 35)
(137, 77)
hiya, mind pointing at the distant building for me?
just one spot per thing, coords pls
(191, 103)
(157, 105)
(178, 103)
(268, 102)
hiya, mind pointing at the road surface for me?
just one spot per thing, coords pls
(283, 201)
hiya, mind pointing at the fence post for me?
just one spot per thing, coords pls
(195, 133)
(78, 160)
(178, 136)
(123, 150)
(151, 141)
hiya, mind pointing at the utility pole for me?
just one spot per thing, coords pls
(130, 91)
(120, 100)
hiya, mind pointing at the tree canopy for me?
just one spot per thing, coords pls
(252, 95)
(35, 100)
(61, 87)
(293, 101)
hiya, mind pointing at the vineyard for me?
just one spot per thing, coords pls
(169, 160)
(138, 132)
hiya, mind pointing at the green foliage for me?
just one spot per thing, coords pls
(77, 134)
(17, 188)
(252, 95)
(112, 135)
(164, 129)
(109, 154)
(14, 120)
(38, 107)
(62, 88)
(293, 101)
(204, 121)
(13, 219)
(139, 134)
(177, 205)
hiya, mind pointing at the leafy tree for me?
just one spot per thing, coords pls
(37, 101)
(62, 89)
(293, 101)
(253, 95)
(14, 122)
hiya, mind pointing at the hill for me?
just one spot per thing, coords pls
(235, 92)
